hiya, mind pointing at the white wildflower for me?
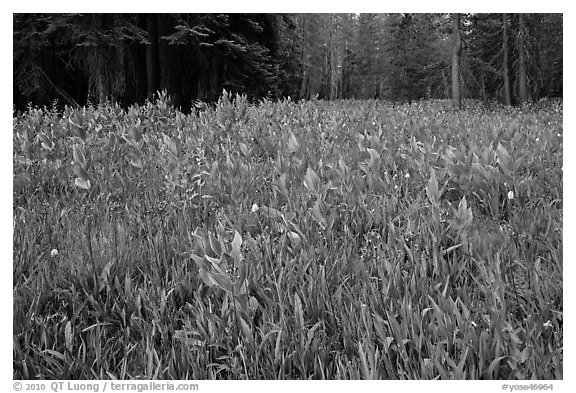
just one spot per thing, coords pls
(407, 175)
(537, 139)
(255, 208)
(547, 324)
(511, 195)
(54, 253)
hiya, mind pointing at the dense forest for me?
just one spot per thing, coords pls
(75, 59)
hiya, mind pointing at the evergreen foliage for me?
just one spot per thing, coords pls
(81, 58)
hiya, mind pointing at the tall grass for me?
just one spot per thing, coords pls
(288, 240)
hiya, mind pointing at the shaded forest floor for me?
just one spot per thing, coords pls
(309, 240)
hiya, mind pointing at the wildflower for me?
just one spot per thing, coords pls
(511, 195)
(537, 139)
(255, 208)
(54, 253)
(407, 175)
(547, 324)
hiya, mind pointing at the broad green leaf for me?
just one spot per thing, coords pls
(298, 313)
(80, 172)
(366, 374)
(199, 242)
(187, 337)
(244, 149)
(82, 183)
(317, 214)
(310, 334)
(207, 277)
(374, 158)
(80, 131)
(504, 160)
(78, 154)
(344, 169)
(173, 146)
(215, 246)
(440, 368)
(130, 140)
(493, 365)
(432, 188)
(236, 244)
(517, 164)
(292, 143)
(229, 164)
(200, 262)
(463, 205)
(46, 143)
(296, 229)
(282, 185)
(269, 212)
(245, 328)
(277, 348)
(240, 282)
(223, 281)
(525, 354)
(253, 303)
(213, 170)
(311, 180)
(134, 133)
(68, 336)
(464, 212)
(215, 264)
(136, 162)
(295, 239)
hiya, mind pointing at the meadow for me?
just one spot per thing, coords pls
(288, 240)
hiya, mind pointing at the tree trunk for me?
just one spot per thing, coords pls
(100, 57)
(304, 59)
(505, 76)
(336, 55)
(538, 75)
(456, 53)
(483, 85)
(101, 90)
(152, 56)
(140, 63)
(522, 60)
(331, 55)
(445, 84)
